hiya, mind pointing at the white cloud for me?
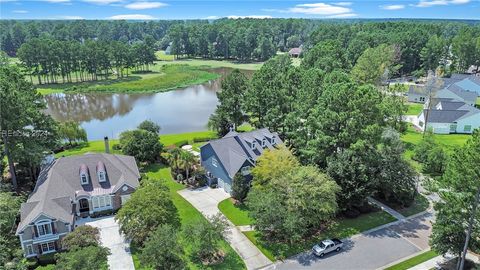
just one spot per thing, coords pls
(344, 15)
(211, 18)
(145, 5)
(132, 17)
(20, 11)
(69, 17)
(57, 1)
(102, 2)
(393, 7)
(320, 9)
(250, 17)
(431, 3)
(346, 4)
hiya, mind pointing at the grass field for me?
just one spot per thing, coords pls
(188, 215)
(407, 264)
(341, 228)
(478, 102)
(414, 109)
(165, 139)
(162, 78)
(238, 215)
(420, 204)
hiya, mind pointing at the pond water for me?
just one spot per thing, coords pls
(100, 114)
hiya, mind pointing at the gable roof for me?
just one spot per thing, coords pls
(234, 149)
(449, 111)
(59, 184)
(462, 93)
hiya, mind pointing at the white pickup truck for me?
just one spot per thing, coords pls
(327, 246)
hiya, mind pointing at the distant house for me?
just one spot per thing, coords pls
(68, 189)
(295, 52)
(235, 152)
(458, 86)
(449, 116)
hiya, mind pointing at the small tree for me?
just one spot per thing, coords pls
(142, 144)
(92, 257)
(162, 250)
(240, 187)
(206, 237)
(82, 236)
(149, 126)
(436, 161)
(149, 207)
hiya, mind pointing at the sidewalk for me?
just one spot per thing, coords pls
(387, 209)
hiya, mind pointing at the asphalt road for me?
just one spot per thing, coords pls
(371, 250)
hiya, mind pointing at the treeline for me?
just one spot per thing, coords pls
(50, 60)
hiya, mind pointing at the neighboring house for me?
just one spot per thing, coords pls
(450, 116)
(71, 188)
(457, 93)
(295, 52)
(417, 94)
(235, 152)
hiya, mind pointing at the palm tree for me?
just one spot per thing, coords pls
(188, 160)
(176, 153)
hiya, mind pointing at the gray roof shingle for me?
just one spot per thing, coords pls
(59, 184)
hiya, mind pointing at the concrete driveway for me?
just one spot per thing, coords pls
(371, 250)
(206, 201)
(110, 237)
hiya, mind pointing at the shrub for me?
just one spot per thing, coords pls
(82, 236)
(203, 139)
(240, 187)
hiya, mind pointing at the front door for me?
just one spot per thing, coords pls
(83, 205)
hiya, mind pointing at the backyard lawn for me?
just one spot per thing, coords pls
(407, 264)
(414, 109)
(165, 139)
(188, 214)
(237, 214)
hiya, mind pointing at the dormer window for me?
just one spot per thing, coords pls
(254, 145)
(101, 173)
(264, 142)
(84, 174)
(273, 140)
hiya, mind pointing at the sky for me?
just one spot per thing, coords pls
(214, 9)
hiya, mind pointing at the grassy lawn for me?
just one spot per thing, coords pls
(166, 139)
(188, 214)
(478, 102)
(48, 91)
(407, 264)
(342, 228)
(414, 109)
(238, 215)
(163, 57)
(420, 204)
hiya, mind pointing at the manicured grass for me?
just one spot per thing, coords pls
(478, 102)
(188, 215)
(48, 91)
(163, 57)
(407, 264)
(414, 109)
(342, 228)
(420, 204)
(197, 62)
(237, 214)
(165, 139)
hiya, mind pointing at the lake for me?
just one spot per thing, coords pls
(101, 114)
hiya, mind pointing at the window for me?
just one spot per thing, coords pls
(214, 162)
(467, 128)
(264, 142)
(44, 228)
(420, 124)
(84, 179)
(254, 145)
(101, 201)
(273, 140)
(101, 177)
(47, 247)
(29, 250)
(95, 202)
(422, 99)
(245, 170)
(453, 127)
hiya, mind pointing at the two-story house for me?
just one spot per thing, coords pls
(71, 188)
(235, 152)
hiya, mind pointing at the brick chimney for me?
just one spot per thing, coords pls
(107, 147)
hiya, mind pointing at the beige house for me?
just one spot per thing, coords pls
(69, 189)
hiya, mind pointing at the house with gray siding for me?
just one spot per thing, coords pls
(448, 116)
(463, 87)
(235, 152)
(69, 189)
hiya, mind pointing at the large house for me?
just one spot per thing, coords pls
(235, 152)
(448, 116)
(71, 188)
